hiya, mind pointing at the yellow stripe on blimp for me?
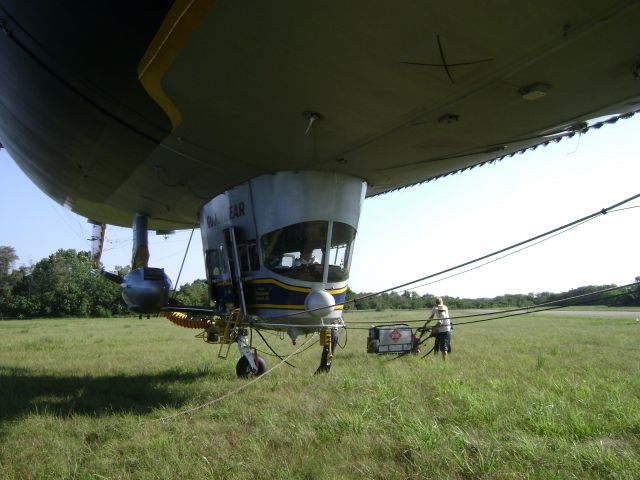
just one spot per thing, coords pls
(273, 281)
(179, 24)
(337, 291)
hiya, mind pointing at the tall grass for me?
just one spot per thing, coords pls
(535, 397)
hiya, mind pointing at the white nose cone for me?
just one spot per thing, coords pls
(319, 303)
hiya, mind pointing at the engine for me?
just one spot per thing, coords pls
(146, 289)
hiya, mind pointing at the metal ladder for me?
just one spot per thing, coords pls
(230, 326)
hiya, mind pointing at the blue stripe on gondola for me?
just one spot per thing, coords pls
(274, 294)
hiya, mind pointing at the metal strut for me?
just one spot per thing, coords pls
(246, 352)
(328, 340)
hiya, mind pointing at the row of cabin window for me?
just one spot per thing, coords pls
(248, 254)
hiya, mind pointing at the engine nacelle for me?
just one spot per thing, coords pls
(146, 289)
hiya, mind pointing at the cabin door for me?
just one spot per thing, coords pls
(219, 275)
(223, 271)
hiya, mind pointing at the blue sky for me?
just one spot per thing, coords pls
(420, 230)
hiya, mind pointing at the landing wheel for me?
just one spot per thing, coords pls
(243, 369)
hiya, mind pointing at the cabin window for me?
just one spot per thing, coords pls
(342, 239)
(298, 251)
(244, 259)
(252, 253)
(215, 265)
(248, 253)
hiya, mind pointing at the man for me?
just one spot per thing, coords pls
(305, 259)
(442, 328)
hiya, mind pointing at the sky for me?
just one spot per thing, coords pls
(421, 230)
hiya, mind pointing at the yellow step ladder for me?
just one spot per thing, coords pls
(230, 327)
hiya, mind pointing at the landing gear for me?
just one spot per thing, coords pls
(243, 369)
(328, 340)
(250, 363)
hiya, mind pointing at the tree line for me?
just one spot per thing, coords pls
(410, 300)
(67, 284)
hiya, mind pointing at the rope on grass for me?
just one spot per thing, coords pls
(232, 392)
(272, 350)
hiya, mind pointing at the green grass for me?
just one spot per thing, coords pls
(524, 397)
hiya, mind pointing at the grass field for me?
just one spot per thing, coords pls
(525, 397)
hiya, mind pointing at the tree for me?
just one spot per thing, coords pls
(9, 277)
(195, 293)
(349, 303)
(61, 285)
(8, 258)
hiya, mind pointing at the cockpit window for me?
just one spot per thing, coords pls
(215, 263)
(298, 251)
(340, 251)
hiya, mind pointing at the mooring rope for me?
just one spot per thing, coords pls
(565, 302)
(233, 392)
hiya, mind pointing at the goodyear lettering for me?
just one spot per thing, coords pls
(236, 210)
(263, 294)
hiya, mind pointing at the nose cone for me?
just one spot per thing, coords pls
(319, 303)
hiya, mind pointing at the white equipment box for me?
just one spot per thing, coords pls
(390, 339)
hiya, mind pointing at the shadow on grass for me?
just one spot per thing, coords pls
(22, 391)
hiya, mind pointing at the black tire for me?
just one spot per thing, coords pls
(243, 369)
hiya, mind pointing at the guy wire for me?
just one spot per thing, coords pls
(232, 392)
